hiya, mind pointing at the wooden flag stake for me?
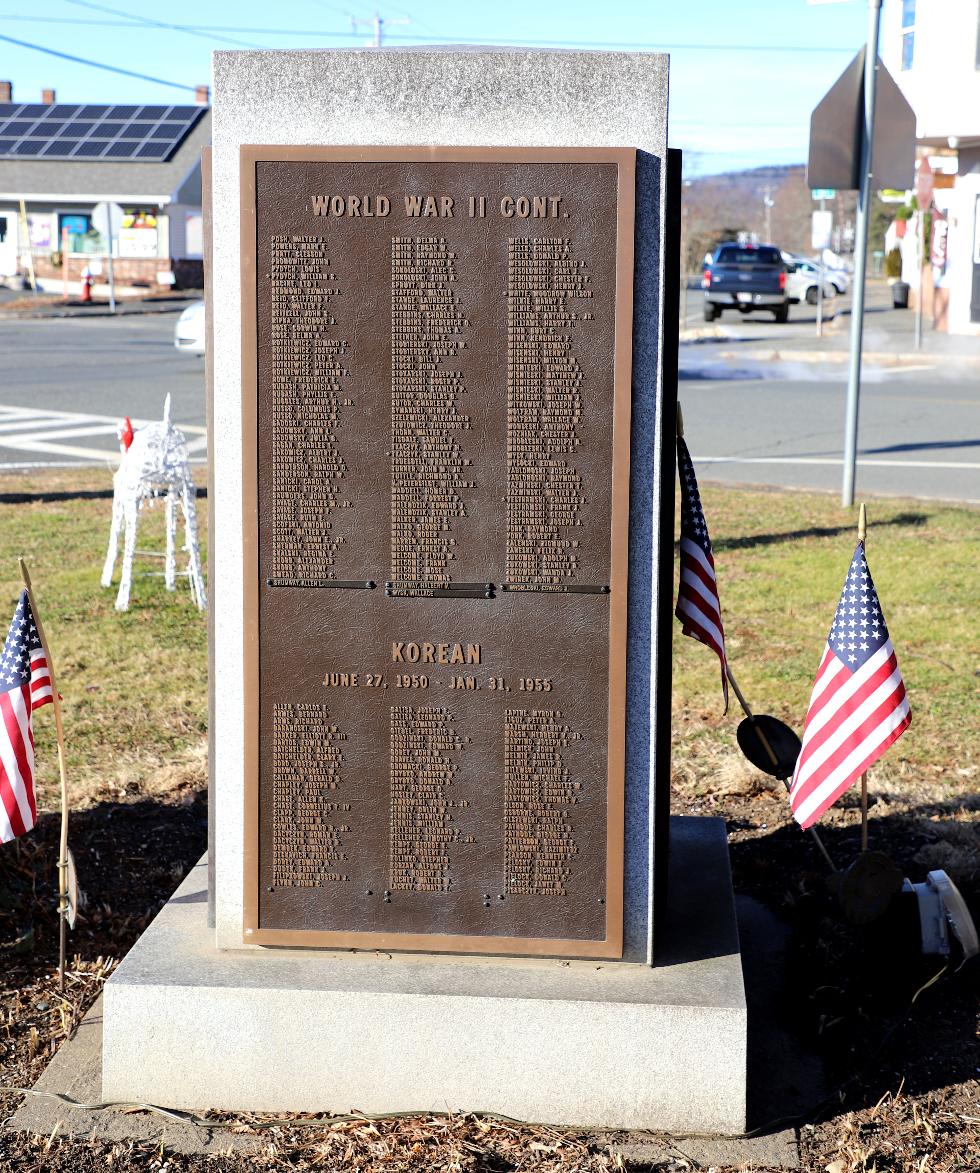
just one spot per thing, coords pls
(863, 537)
(759, 732)
(59, 733)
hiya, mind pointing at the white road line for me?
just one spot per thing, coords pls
(58, 434)
(952, 464)
(25, 425)
(29, 430)
(102, 455)
(14, 412)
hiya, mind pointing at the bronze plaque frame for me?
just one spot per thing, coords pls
(611, 946)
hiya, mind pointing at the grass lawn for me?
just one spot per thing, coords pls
(781, 559)
(134, 683)
(135, 706)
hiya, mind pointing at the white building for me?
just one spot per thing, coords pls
(59, 161)
(932, 49)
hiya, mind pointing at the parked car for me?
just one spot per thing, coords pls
(803, 281)
(189, 330)
(747, 278)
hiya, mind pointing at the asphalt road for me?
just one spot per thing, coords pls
(919, 432)
(66, 382)
(781, 422)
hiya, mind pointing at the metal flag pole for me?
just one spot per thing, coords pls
(757, 728)
(62, 768)
(861, 253)
(862, 537)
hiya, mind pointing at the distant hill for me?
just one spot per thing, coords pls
(717, 207)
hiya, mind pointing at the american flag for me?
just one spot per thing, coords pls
(858, 706)
(698, 607)
(25, 685)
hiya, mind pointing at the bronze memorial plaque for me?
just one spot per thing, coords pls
(436, 399)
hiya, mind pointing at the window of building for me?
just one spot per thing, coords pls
(908, 33)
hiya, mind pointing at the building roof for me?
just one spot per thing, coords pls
(102, 152)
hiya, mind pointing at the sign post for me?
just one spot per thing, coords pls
(821, 231)
(107, 218)
(923, 197)
(846, 148)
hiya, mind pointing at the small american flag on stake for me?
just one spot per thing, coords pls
(698, 607)
(858, 707)
(25, 685)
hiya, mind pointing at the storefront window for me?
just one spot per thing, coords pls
(138, 233)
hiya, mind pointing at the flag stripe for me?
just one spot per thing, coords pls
(699, 560)
(889, 732)
(703, 626)
(11, 820)
(843, 702)
(17, 784)
(40, 680)
(855, 728)
(25, 685)
(858, 706)
(696, 585)
(698, 606)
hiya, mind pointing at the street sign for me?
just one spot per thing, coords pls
(823, 193)
(107, 220)
(821, 230)
(837, 128)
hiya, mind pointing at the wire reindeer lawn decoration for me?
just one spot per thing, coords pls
(155, 464)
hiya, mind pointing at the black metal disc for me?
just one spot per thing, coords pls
(783, 741)
(868, 886)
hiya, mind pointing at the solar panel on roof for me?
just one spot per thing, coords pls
(59, 148)
(152, 152)
(92, 148)
(146, 133)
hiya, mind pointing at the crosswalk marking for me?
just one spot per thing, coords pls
(43, 432)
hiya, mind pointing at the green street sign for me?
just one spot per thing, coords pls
(823, 193)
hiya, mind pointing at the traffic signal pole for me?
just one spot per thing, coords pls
(861, 253)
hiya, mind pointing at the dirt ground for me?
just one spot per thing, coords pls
(904, 1092)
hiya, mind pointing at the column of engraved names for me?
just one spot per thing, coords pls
(423, 825)
(428, 477)
(310, 819)
(539, 836)
(308, 368)
(545, 495)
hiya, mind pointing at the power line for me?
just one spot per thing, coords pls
(97, 64)
(449, 38)
(146, 20)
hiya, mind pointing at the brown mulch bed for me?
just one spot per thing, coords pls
(905, 1090)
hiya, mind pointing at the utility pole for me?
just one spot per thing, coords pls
(767, 202)
(377, 22)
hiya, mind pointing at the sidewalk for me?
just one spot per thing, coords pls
(47, 305)
(889, 336)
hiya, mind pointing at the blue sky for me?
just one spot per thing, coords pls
(745, 74)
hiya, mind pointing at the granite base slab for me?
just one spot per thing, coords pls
(601, 1045)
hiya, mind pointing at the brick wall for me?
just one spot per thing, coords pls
(137, 271)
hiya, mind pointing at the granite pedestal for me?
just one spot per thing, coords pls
(594, 1044)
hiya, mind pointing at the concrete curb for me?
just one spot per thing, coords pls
(878, 358)
(70, 311)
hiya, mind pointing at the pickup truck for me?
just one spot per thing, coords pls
(746, 277)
